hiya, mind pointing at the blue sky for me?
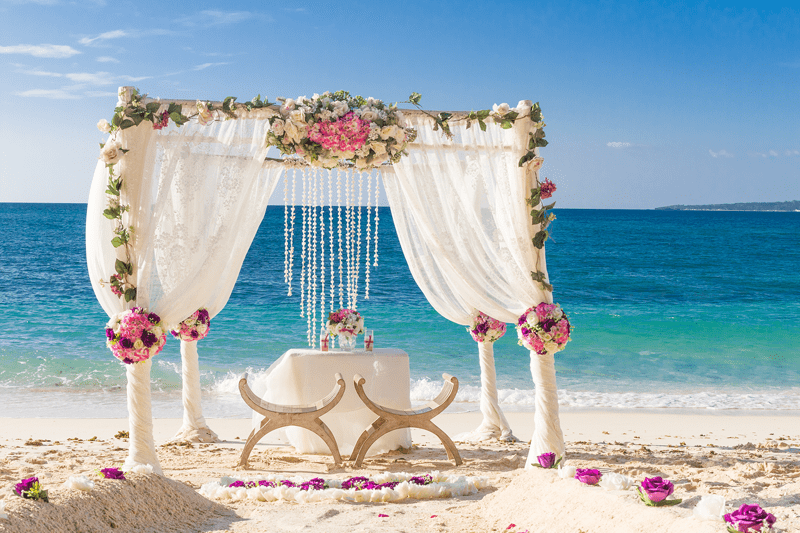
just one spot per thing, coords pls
(646, 103)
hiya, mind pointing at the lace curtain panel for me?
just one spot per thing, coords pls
(459, 210)
(197, 195)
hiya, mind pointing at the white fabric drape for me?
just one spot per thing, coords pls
(460, 213)
(197, 196)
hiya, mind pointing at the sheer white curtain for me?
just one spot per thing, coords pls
(197, 195)
(459, 209)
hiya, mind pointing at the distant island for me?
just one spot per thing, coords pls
(743, 206)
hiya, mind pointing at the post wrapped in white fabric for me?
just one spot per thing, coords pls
(464, 226)
(197, 195)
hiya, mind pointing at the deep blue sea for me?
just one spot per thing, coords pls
(691, 310)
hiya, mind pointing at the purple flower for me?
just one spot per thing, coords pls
(148, 339)
(237, 483)
(265, 483)
(590, 476)
(354, 483)
(657, 489)
(421, 480)
(109, 333)
(547, 460)
(750, 517)
(31, 489)
(126, 343)
(25, 485)
(112, 473)
(287, 483)
(153, 318)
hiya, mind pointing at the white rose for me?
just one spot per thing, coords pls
(202, 328)
(566, 472)
(138, 344)
(501, 109)
(157, 331)
(378, 147)
(363, 151)
(614, 481)
(399, 134)
(361, 163)
(111, 152)
(372, 101)
(104, 126)
(297, 115)
(292, 132)
(277, 127)
(710, 507)
(369, 114)
(287, 107)
(387, 132)
(551, 347)
(340, 108)
(325, 114)
(380, 159)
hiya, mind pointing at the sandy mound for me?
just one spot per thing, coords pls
(142, 503)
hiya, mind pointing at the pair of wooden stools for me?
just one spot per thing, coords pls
(308, 417)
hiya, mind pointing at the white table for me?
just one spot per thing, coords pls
(304, 376)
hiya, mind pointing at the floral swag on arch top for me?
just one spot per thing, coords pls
(176, 177)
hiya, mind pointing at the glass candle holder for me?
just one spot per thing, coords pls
(324, 340)
(369, 340)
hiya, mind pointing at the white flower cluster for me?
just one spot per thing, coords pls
(442, 487)
(523, 107)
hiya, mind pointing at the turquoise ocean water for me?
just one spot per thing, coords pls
(691, 310)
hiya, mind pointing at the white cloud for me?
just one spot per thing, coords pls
(206, 65)
(213, 17)
(53, 94)
(773, 153)
(721, 153)
(115, 34)
(107, 59)
(102, 94)
(791, 153)
(43, 50)
(619, 145)
(41, 73)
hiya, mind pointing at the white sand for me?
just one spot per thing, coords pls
(751, 458)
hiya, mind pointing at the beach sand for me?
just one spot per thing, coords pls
(747, 458)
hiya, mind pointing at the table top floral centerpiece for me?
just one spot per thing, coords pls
(345, 322)
(330, 127)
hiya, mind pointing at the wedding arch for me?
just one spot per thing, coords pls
(182, 187)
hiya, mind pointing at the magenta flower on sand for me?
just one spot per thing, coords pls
(30, 489)
(590, 476)
(112, 473)
(749, 518)
(655, 490)
(548, 460)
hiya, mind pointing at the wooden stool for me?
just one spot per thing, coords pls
(391, 419)
(304, 416)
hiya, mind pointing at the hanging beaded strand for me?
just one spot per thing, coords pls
(312, 307)
(330, 232)
(322, 247)
(286, 227)
(377, 217)
(348, 234)
(303, 249)
(358, 240)
(366, 255)
(339, 209)
(291, 235)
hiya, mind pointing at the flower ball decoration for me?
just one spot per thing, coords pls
(485, 328)
(544, 329)
(135, 335)
(194, 328)
(345, 322)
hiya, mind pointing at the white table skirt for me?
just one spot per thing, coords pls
(302, 377)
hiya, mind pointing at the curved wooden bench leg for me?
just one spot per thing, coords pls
(380, 428)
(364, 436)
(256, 436)
(449, 446)
(322, 430)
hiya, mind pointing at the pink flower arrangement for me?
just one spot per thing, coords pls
(546, 189)
(163, 121)
(116, 284)
(544, 329)
(135, 335)
(195, 327)
(345, 134)
(485, 328)
(345, 322)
